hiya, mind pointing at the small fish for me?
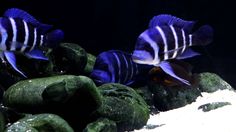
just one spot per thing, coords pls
(20, 32)
(115, 66)
(167, 38)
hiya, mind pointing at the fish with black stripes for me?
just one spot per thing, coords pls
(116, 66)
(21, 32)
(169, 37)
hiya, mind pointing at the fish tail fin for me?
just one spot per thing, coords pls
(203, 36)
(54, 38)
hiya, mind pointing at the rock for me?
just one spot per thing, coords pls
(39, 92)
(2, 121)
(69, 58)
(58, 95)
(124, 106)
(167, 98)
(210, 82)
(146, 94)
(90, 63)
(39, 123)
(211, 106)
(101, 125)
(21, 127)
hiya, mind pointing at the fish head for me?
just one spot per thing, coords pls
(142, 57)
(100, 76)
(144, 52)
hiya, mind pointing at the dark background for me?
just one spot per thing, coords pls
(100, 25)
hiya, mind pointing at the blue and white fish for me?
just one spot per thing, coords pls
(169, 37)
(116, 66)
(20, 32)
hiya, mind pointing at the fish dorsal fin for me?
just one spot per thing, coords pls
(166, 20)
(18, 13)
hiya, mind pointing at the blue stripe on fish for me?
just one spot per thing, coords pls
(20, 32)
(115, 67)
(170, 38)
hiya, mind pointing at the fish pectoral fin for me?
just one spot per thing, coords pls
(36, 54)
(12, 60)
(171, 70)
(188, 54)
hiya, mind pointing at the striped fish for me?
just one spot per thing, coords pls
(115, 67)
(20, 32)
(167, 38)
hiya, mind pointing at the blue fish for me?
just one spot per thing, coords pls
(167, 38)
(21, 32)
(116, 66)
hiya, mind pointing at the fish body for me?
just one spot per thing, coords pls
(115, 66)
(21, 32)
(167, 38)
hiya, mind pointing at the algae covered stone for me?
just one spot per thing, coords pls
(40, 123)
(41, 93)
(210, 82)
(146, 93)
(2, 120)
(167, 98)
(101, 125)
(74, 98)
(69, 58)
(212, 106)
(124, 106)
(90, 63)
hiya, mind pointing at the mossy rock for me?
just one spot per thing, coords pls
(167, 98)
(21, 127)
(146, 94)
(57, 89)
(211, 82)
(90, 63)
(2, 120)
(74, 98)
(212, 106)
(101, 125)
(124, 106)
(40, 123)
(69, 58)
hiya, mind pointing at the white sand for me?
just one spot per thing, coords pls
(192, 119)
